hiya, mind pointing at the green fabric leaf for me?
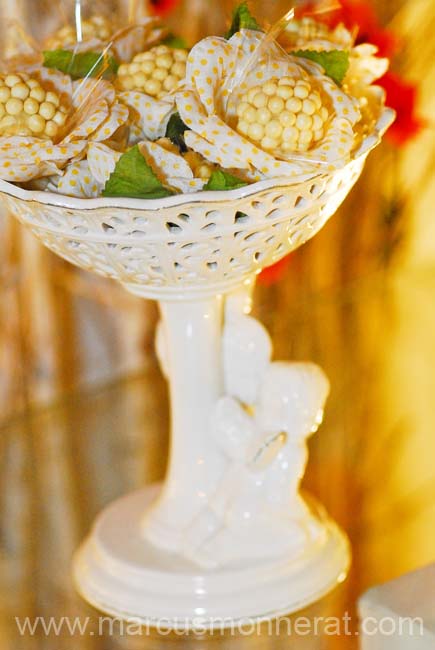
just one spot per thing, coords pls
(134, 178)
(334, 62)
(175, 131)
(81, 64)
(174, 41)
(242, 19)
(220, 180)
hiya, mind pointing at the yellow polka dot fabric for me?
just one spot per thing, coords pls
(118, 117)
(192, 111)
(149, 115)
(79, 182)
(22, 158)
(99, 114)
(166, 162)
(171, 168)
(85, 128)
(102, 161)
(186, 185)
(210, 151)
(10, 171)
(207, 64)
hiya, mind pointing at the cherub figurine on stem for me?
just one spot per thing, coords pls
(261, 426)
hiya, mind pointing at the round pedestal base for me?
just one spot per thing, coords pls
(121, 574)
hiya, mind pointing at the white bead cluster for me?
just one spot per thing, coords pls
(307, 29)
(310, 34)
(284, 115)
(155, 72)
(27, 109)
(98, 27)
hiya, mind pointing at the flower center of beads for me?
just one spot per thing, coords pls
(97, 27)
(284, 115)
(27, 109)
(155, 72)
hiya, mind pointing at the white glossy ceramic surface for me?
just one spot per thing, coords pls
(186, 246)
(119, 573)
(228, 534)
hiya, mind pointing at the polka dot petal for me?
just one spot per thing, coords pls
(118, 116)
(185, 185)
(171, 168)
(78, 181)
(102, 161)
(150, 116)
(206, 66)
(165, 162)
(22, 159)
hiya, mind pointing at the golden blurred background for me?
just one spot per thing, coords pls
(83, 406)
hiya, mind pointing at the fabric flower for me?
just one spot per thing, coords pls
(208, 106)
(401, 95)
(94, 116)
(365, 67)
(310, 34)
(359, 17)
(365, 64)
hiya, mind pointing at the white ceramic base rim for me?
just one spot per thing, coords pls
(121, 574)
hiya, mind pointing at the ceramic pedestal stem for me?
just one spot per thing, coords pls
(189, 343)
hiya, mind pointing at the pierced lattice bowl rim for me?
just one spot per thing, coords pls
(54, 199)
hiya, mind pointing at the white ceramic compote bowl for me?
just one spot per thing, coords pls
(227, 536)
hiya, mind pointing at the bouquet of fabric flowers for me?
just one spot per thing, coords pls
(133, 112)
